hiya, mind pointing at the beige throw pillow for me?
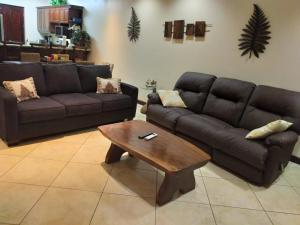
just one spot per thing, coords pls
(271, 128)
(108, 86)
(22, 89)
(171, 99)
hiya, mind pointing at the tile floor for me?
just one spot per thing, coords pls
(63, 181)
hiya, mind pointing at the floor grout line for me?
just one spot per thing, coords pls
(210, 205)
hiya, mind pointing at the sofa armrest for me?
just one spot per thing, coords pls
(283, 139)
(8, 116)
(133, 92)
(153, 98)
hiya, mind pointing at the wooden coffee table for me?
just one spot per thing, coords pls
(167, 152)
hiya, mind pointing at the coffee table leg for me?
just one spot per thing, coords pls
(114, 154)
(183, 182)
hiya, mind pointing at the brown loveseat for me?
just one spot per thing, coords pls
(68, 101)
(221, 111)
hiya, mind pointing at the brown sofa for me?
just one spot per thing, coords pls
(68, 101)
(221, 111)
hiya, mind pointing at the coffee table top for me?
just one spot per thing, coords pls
(167, 152)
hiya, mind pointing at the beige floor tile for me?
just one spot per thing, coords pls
(236, 216)
(181, 213)
(278, 198)
(90, 154)
(281, 181)
(7, 162)
(78, 137)
(63, 207)
(198, 195)
(235, 193)
(16, 200)
(97, 139)
(284, 219)
(212, 170)
(19, 150)
(34, 171)
(292, 174)
(124, 210)
(132, 182)
(86, 177)
(55, 151)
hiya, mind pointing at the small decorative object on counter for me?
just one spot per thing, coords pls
(151, 84)
(81, 39)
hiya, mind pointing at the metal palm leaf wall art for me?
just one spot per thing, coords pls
(134, 27)
(256, 34)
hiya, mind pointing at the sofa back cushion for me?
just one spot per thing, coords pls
(193, 89)
(268, 104)
(88, 75)
(227, 99)
(13, 72)
(62, 78)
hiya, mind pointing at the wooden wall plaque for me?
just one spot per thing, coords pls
(190, 29)
(178, 29)
(200, 28)
(168, 29)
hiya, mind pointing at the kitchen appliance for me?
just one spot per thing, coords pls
(1, 28)
(61, 30)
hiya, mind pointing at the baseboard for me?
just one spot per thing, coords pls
(295, 159)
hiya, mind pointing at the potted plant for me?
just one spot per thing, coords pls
(80, 38)
(58, 2)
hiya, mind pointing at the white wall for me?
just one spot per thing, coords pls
(154, 57)
(30, 16)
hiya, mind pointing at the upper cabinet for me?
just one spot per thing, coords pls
(13, 23)
(51, 16)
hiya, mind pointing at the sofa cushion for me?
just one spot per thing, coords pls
(268, 104)
(166, 117)
(201, 127)
(88, 75)
(62, 78)
(78, 104)
(227, 99)
(12, 72)
(41, 109)
(232, 142)
(193, 88)
(112, 102)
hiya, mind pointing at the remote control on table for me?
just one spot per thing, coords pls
(145, 135)
(153, 135)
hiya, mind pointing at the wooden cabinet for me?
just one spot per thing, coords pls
(50, 16)
(13, 23)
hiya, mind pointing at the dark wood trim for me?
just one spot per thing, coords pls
(295, 159)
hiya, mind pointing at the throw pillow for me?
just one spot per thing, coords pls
(22, 89)
(271, 128)
(171, 99)
(108, 86)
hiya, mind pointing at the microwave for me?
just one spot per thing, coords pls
(61, 30)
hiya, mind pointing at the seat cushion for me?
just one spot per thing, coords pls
(42, 109)
(112, 102)
(165, 116)
(201, 127)
(12, 72)
(62, 79)
(78, 104)
(232, 142)
(88, 75)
